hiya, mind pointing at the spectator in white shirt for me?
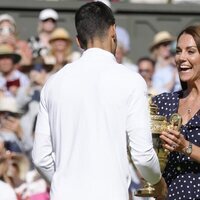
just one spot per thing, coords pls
(11, 79)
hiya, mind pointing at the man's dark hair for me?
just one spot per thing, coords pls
(92, 20)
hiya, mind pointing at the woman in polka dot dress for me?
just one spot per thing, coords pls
(182, 172)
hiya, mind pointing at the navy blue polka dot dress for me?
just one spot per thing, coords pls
(181, 173)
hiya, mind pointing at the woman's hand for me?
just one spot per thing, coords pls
(173, 140)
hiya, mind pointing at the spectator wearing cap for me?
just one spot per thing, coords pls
(29, 97)
(61, 49)
(165, 78)
(123, 48)
(11, 79)
(47, 23)
(8, 35)
(10, 128)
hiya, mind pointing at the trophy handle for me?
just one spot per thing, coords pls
(175, 121)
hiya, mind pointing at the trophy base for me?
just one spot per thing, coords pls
(147, 191)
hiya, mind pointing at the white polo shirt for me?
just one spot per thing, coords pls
(87, 111)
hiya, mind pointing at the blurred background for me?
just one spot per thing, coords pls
(37, 38)
(141, 18)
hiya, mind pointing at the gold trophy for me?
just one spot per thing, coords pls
(159, 123)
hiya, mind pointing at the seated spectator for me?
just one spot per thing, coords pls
(7, 192)
(10, 128)
(123, 48)
(47, 23)
(146, 67)
(11, 79)
(61, 49)
(37, 186)
(17, 182)
(18, 168)
(8, 35)
(165, 75)
(38, 73)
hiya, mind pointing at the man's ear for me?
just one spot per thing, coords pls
(113, 32)
(79, 43)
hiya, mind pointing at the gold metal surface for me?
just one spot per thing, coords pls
(159, 123)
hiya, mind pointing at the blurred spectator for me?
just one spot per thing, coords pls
(7, 192)
(47, 23)
(10, 128)
(165, 77)
(38, 74)
(123, 44)
(178, 84)
(37, 188)
(123, 48)
(146, 67)
(17, 170)
(8, 35)
(18, 167)
(15, 178)
(11, 79)
(61, 49)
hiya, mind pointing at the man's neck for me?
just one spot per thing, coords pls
(100, 43)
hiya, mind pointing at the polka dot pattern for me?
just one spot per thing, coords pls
(181, 173)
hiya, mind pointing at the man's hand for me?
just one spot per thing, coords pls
(161, 190)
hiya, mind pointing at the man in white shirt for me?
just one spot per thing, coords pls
(87, 111)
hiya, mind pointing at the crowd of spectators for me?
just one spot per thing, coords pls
(26, 64)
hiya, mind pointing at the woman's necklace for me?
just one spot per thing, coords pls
(193, 104)
(189, 110)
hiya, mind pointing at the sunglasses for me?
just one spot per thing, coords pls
(7, 114)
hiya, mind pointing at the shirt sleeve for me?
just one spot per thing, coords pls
(139, 135)
(42, 152)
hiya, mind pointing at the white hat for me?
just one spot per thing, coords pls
(48, 14)
(9, 104)
(7, 17)
(123, 38)
(161, 37)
